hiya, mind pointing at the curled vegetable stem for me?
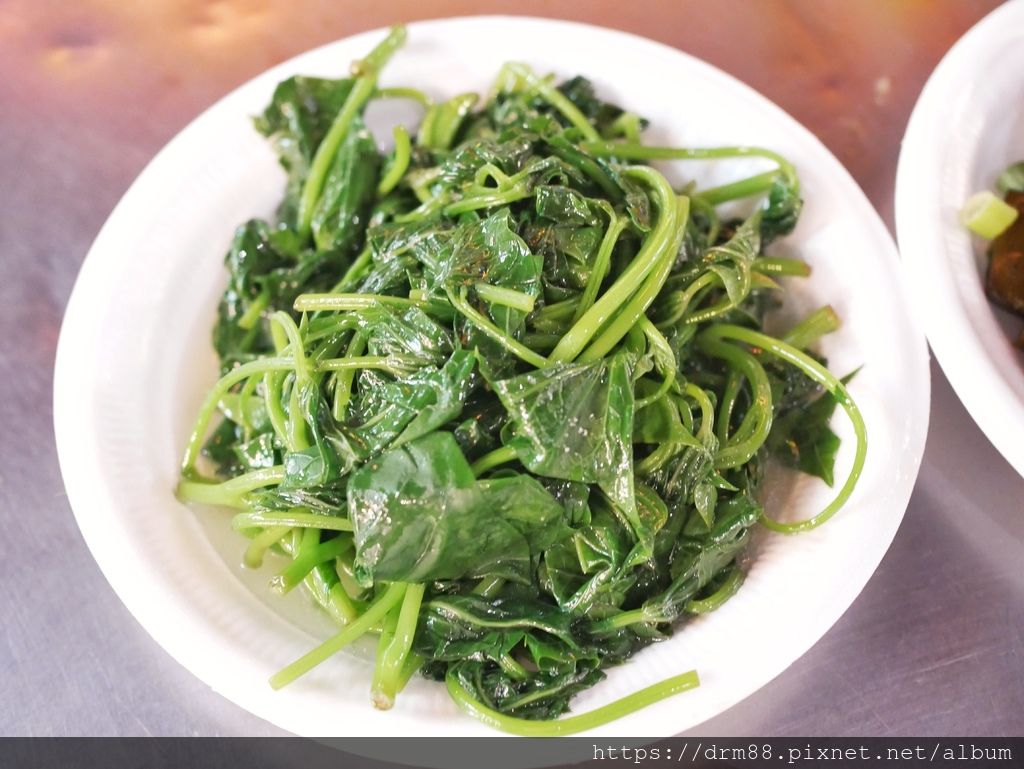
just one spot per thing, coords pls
(680, 301)
(401, 92)
(490, 172)
(818, 373)
(229, 493)
(744, 188)
(657, 458)
(399, 161)
(707, 412)
(757, 423)
(663, 353)
(602, 262)
(634, 151)
(714, 601)
(209, 405)
(733, 386)
(518, 349)
(572, 724)
(635, 308)
(646, 260)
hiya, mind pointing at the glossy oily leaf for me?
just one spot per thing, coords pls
(575, 421)
(419, 514)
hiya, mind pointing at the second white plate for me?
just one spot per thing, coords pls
(967, 126)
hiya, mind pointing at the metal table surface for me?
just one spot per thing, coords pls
(90, 91)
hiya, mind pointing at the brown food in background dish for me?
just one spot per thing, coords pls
(1005, 280)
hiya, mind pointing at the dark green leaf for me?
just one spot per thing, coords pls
(340, 216)
(575, 421)
(419, 514)
(782, 211)
(801, 436)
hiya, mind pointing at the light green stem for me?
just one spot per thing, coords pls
(252, 314)
(400, 92)
(781, 265)
(507, 297)
(744, 188)
(635, 151)
(572, 724)
(816, 325)
(757, 423)
(602, 262)
(518, 349)
(219, 390)
(362, 90)
(394, 655)
(349, 302)
(263, 541)
(715, 600)
(635, 308)
(399, 161)
(352, 632)
(646, 260)
(556, 99)
(229, 493)
(307, 559)
(393, 363)
(294, 518)
(499, 456)
(345, 378)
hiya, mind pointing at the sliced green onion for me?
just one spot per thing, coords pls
(986, 215)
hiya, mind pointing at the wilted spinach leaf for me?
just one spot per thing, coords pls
(419, 514)
(575, 421)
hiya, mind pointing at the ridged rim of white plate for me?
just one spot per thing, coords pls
(932, 183)
(206, 619)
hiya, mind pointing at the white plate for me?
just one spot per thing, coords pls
(134, 361)
(968, 125)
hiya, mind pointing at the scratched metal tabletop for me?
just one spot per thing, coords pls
(90, 91)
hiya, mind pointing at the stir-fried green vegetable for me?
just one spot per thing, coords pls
(503, 395)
